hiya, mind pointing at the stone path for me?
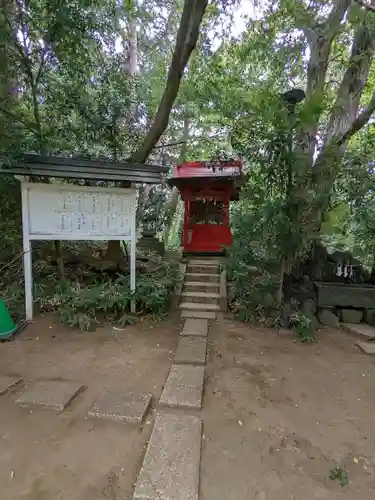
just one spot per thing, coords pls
(184, 387)
(170, 469)
(7, 383)
(191, 350)
(364, 332)
(49, 394)
(195, 327)
(198, 314)
(121, 406)
(366, 347)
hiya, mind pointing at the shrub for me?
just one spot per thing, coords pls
(83, 306)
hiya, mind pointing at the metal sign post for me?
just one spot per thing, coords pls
(68, 212)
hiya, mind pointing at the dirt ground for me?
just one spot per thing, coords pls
(278, 415)
(44, 456)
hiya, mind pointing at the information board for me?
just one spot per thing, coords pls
(68, 212)
(79, 212)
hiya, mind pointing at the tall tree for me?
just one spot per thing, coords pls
(186, 41)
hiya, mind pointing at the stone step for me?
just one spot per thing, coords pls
(196, 286)
(201, 297)
(191, 314)
(205, 262)
(170, 469)
(193, 268)
(195, 306)
(191, 351)
(202, 277)
(195, 328)
(184, 387)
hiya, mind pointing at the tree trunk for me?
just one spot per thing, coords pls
(187, 37)
(342, 120)
(170, 209)
(320, 37)
(114, 251)
(133, 70)
(314, 179)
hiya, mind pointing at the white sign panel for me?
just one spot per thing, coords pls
(68, 212)
(78, 212)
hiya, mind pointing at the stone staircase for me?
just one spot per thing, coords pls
(200, 297)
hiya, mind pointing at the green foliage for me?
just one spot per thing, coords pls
(10, 219)
(153, 292)
(254, 261)
(83, 306)
(304, 328)
(66, 89)
(339, 474)
(267, 232)
(349, 225)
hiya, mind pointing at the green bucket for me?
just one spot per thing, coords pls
(7, 325)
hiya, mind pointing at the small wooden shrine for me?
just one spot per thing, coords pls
(207, 188)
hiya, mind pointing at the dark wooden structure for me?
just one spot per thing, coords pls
(83, 168)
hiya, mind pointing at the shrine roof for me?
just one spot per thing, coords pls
(228, 169)
(78, 168)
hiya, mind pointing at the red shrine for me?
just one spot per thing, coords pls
(207, 188)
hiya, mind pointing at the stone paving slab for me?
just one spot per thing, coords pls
(198, 314)
(366, 332)
(366, 347)
(191, 350)
(50, 394)
(198, 306)
(195, 327)
(7, 383)
(121, 406)
(170, 469)
(184, 387)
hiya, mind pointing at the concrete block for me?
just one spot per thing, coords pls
(370, 316)
(195, 327)
(203, 277)
(191, 350)
(196, 286)
(121, 406)
(366, 347)
(50, 394)
(351, 316)
(170, 469)
(201, 297)
(185, 313)
(184, 387)
(365, 332)
(195, 306)
(7, 383)
(202, 269)
(206, 262)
